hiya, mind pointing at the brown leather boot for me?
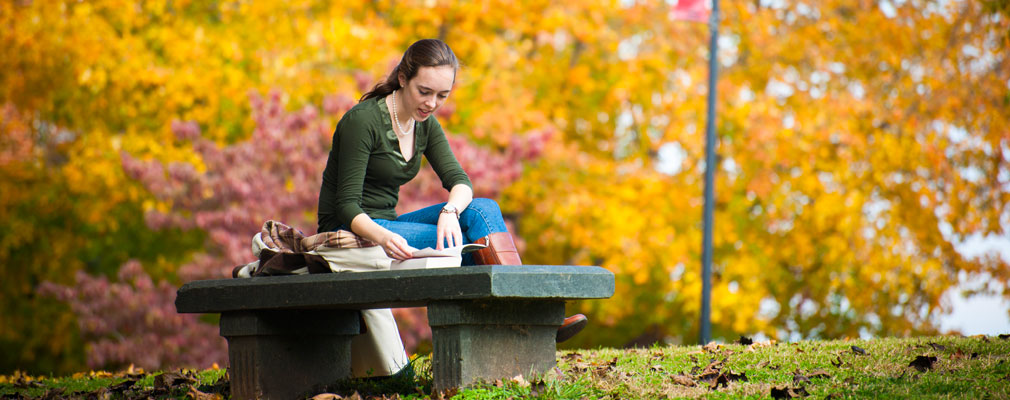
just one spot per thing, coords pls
(500, 250)
(571, 326)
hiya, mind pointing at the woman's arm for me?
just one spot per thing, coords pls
(449, 231)
(395, 245)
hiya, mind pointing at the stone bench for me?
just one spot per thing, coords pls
(289, 335)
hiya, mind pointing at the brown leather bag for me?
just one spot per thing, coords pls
(500, 250)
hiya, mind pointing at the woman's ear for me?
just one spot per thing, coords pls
(402, 78)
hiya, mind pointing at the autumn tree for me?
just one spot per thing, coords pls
(860, 142)
(850, 169)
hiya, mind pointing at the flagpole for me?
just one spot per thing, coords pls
(706, 252)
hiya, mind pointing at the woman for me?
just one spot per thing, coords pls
(376, 148)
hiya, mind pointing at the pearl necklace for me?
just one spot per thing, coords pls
(397, 119)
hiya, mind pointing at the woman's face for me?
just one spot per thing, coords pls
(427, 91)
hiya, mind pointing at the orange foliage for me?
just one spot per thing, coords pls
(859, 143)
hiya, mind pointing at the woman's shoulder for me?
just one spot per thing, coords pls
(366, 112)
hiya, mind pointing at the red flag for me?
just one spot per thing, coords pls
(691, 10)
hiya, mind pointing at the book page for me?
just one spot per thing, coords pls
(448, 252)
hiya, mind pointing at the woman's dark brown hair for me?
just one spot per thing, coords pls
(423, 53)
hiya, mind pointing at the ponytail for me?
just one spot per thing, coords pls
(423, 53)
(384, 88)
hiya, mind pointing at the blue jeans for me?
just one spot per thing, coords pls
(419, 228)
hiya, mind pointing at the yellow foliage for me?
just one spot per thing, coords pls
(833, 185)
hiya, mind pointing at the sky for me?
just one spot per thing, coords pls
(985, 315)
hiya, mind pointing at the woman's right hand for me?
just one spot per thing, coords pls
(396, 246)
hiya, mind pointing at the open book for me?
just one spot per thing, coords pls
(431, 258)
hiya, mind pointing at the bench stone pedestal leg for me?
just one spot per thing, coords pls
(483, 341)
(287, 354)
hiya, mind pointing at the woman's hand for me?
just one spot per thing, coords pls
(396, 246)
(449, 231)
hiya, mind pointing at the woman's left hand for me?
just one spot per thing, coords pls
(449, 231)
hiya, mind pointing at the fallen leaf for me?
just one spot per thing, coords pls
(498, 383)
(746, 341)
(763, 364)
(715, 365)
(736, 377)
(720, 380)
(167, 380)
(121, 386)
(54, 394)
(327, 396)
(708, 377)
(937, 346)
(519, 380)
(683, 380)
(818, 373)
(656, 368)
(922, 363)
(838, 363)
(712, 347)
(537, 388)
(858, 350)
(195, 394)
(800, 378)
(580, 366)
(788, 393)
(780, 393)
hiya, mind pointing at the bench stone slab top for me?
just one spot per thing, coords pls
(391, 289)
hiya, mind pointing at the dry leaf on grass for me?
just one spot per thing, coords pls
(788, 392)
(858, 350)
(122, 386)
(537, 388)
(195, 394)
(712, 347)
(683, 380)
(923, 363)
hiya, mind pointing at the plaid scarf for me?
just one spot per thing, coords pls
(284, 239)
(288, 251)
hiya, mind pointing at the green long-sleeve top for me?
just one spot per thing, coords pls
(365, 168)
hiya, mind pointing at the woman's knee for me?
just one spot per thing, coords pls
(485, 205)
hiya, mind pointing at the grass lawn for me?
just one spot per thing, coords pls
(931, 367)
